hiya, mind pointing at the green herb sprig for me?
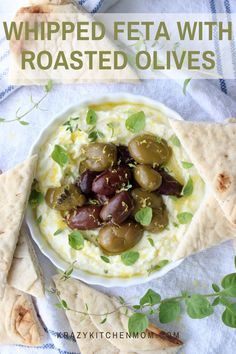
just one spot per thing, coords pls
(197, 306)
(34, 105)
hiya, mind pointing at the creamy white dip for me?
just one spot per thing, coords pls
(50, 174)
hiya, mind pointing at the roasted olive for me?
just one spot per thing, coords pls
(115, 239)
(169, 185)
(118, 208)
(159, 220)
(85, 218)
(148, 149)
(99, 156)
(147, 177)
(144, 199)
(123, 155)
(86, 180)
(108, 182)
(65, 197)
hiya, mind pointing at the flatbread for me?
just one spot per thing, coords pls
(25, 273)
(18, 320)
(212, 149)
(208, 228)
(79, 297)
(62, 11)
(15, 187)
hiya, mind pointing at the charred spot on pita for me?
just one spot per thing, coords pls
(223, 182)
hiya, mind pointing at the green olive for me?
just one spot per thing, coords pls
(99, 156)
(148, 149)
(82, 167)
(65, 197)
(115, 239)
(159, 220)
(144, 199)
(147, 177)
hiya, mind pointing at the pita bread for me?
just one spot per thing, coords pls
(78, 296)
(15, 187)
(212, 149)
(62, 11)
(25, 273)
(18, 321)
(208, 228)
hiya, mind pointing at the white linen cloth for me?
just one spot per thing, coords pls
(205, 100)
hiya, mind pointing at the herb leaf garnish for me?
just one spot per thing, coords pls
(105, 259)
(136, 122)
(175, 140)
(60, 155)
(138, 322)
(129, 257)
(95, 134)
(91, 118)
(76, 240)
(188, 188)
(186, 82)
(187, 164)
(144, 216)
(185, 217)
(35, 198)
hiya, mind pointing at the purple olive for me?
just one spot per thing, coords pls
(108, 182)
(123, 155)
(86, 181)
(169, 186)
(118, 208)
(85, 218)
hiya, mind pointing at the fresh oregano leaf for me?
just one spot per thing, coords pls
(150, 240)
(105, 259)
(129, 257)
(76, 240)
(59, 155)
(230, 291)
(215, 287)
(229, 280)
(158, 266)
(188, 188)
(151, 298)
(138, 323)
(48, 87)
(91, 118)
(175, 140)
(35, 198)
(185, 217)
(121, 300)
(187, 165)
(169, 311)
(229, 316)
(216, 301)
(23, 122)
(144, 216)
(198, 306)
(104, 320)
(57, 232)
(186, 83)
(136, 122)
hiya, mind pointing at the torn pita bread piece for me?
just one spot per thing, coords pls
(15, 186)
(62, 12)
(79, 297)
(208, 228)
(18, 321)
(212, 149)
(25, 273)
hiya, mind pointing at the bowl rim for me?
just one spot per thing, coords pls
(45, 248)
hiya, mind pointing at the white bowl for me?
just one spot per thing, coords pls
(45, 248)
